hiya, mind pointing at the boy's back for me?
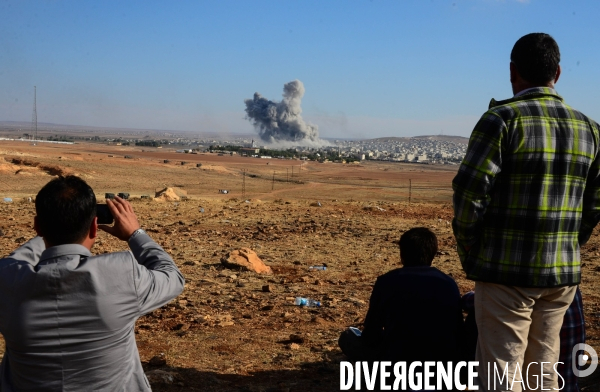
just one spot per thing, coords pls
(415, 315)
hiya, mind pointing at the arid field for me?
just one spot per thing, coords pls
(240, 331)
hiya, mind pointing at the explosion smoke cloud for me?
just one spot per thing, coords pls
(281, 122)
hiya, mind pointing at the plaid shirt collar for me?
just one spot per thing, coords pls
(530, 93)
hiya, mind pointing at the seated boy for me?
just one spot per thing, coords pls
(414, 312)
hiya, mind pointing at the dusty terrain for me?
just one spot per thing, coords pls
(231, 330)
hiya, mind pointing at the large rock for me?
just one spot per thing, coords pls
(246, 259)
(170, 194)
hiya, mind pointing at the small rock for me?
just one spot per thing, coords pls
(192, 262)
(267, 307)
(161, 377)
(294, 346)
(181, 327)
(267, 288)
(158, 360)
(297, 338)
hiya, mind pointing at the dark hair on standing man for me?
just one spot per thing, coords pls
(418, 246)
(536, 57)
(65, 208)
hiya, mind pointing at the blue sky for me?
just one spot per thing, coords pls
(370, 68)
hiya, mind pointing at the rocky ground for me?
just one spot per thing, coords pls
(233, 330)
(236, 330)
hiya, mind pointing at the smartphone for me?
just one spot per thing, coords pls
(355, 331)
(104, 215)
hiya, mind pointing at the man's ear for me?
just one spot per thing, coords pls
(36, 226)
(558, 71)
(94, 228)
(514, 74)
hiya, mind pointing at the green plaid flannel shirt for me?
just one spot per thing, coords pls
(527, 193)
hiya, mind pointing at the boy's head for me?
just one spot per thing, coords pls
(418, 247)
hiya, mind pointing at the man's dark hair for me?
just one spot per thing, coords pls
(418, 246)
(536, 57)
(65, 208)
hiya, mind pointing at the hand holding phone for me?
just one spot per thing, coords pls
(104, 215)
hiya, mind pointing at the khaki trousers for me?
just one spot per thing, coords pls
(518, 330)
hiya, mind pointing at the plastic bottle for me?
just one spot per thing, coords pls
(300, 301)
(317, 267)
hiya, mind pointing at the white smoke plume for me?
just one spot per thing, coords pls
(281, 122)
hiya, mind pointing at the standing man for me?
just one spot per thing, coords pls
(526, 197)
(68, 316)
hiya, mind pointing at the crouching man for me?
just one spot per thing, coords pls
(68, 316)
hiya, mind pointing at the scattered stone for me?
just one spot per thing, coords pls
(192, 262)
(294, 346)
(246, 259)
(161, 377)
(247, 316)
(318, 320)
(267, 307)
(158, 360)
(181, 327)
(297, 338)
(267, 288)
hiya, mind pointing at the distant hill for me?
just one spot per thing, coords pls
(441, 138)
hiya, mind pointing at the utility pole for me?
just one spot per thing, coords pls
(273, 183)
(409, 191)
(34, 114)
(292, 171)
(287, 175)
(243, 183)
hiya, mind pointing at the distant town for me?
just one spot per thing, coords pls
(435, 149)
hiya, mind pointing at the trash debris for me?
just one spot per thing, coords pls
(7, 200)
(318, 267)
(300, 301)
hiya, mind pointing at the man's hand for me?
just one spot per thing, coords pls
(125, 220)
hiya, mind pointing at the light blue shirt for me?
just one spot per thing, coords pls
(68, 317)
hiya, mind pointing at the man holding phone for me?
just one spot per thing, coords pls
(68, 316)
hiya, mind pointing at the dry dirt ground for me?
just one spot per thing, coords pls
(227, 331)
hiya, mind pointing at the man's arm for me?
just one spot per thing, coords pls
(591, 197)
(475, 179)
(29, 252)
(157, 278)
